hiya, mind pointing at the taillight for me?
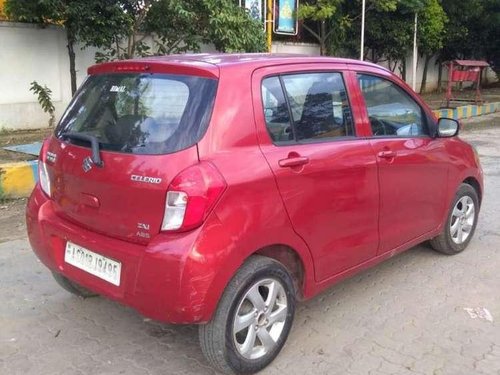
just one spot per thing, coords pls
(191, 196)
(44, 177)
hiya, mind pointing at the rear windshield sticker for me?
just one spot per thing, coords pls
(117, 89)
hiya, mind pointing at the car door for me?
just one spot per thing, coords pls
(412, 165)
(327, 176)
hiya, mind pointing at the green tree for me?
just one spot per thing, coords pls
(471, 31)
(431, 32)
(330, 21)
(189, 23)
(119, 28)
(177, 33)
(489, 35)
(230, 28)
(388, 36)
(320, 12)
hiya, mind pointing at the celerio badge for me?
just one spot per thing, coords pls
(145, 179)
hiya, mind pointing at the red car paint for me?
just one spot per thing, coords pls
(326, 210)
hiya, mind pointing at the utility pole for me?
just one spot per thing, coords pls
(362, 53)
(415, 56)
(269, 24)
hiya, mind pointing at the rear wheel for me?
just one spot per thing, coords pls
(253, 318)
(461, 223)
(72, 287)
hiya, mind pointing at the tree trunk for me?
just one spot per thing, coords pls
(71, 54)
(440, 74)
(322, 34)
(424, 74)
(403, 69)
(391, 66)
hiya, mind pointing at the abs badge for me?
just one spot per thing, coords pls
(87, 164)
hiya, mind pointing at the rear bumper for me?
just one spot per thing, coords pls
(163, 280)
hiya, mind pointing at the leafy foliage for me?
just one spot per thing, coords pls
(189, 23)
(431, 27)
(230, 28)
(320, 10)
(330, 21)
(472, 31)
(321, 13)
(120, 28)
(44, 96)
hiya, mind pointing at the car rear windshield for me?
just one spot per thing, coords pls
(141, 113)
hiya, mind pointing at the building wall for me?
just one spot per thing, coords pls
(301, 48)
(29, 52)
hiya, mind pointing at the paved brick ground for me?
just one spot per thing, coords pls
(405, 316)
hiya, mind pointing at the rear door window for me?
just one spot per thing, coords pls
(306, 107)
(276, 111)
(319, 105)
(142, 113)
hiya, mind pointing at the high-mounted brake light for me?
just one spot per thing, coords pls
(191, 196)
(132, 67)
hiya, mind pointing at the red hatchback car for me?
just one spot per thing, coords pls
(221, 189)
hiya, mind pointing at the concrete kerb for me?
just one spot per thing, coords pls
(18, 179)
(467, 111)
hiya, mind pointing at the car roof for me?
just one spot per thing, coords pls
(213, 62)
(261, 59)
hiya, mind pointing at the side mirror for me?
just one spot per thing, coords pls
(447, 127)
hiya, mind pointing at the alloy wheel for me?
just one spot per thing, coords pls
(260, 318)
(462, 219)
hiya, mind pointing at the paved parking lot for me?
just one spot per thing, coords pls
(418, 313)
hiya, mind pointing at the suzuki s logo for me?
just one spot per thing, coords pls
(51, 157)
(145, 179)
(87, 164)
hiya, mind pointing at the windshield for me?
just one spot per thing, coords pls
(141, 113)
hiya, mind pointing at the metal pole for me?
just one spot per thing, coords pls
(415, 56)
(269, 25)
(361, 57)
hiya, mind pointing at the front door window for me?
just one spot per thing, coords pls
(392, 112)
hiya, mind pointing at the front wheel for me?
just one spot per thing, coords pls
(461, 223)
(253, 318)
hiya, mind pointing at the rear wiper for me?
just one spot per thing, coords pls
(94, 143)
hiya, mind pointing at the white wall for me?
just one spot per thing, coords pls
(28, 53)
(302, 48)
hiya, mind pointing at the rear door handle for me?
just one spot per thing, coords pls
(386, 154)
(293, 161)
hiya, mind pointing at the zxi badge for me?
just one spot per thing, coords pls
(87, 164)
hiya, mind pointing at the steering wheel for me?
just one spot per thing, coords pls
(378, 127)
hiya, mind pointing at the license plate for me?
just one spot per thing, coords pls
(93, 263)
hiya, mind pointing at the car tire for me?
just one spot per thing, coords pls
(460, 223)
(73, 287)
(253, 318)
